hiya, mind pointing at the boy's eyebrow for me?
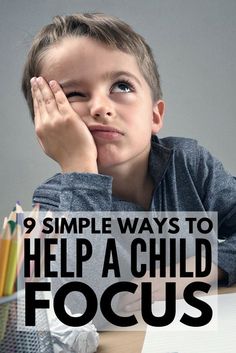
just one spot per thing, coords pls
(107, 75)
(116, 74)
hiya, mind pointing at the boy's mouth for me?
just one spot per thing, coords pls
(105, 132)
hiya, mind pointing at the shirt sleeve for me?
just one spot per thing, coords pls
(75, 192)
(218, 193)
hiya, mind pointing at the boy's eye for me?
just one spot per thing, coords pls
(74, 95)
(122, 86)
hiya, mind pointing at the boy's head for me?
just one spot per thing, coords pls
(110, 31)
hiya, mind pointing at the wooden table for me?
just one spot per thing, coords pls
(121, 342)
(131, 341)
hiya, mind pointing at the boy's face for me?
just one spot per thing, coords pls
(106, 88)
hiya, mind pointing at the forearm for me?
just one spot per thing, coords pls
(227, 259)
(75, 192)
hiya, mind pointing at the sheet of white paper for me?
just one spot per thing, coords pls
(220, 340)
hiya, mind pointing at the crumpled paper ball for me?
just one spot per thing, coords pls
(66, 339)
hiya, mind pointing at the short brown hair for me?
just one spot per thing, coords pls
(108, 30)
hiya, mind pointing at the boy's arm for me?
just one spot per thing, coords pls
(75, 192)
(65, 138)
(78, 192)
(133, 302)
(218, 192)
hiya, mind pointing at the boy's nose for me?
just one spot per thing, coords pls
(101, 107)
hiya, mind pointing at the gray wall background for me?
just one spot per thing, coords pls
(194, 43)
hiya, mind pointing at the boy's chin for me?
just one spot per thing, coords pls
(107, 160)
(108, 166)
(105, 167)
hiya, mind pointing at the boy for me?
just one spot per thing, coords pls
(96, 102)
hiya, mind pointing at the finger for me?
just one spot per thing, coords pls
(48, 97)
(130, 298)
(35, 104)
(135, 306)
(63, 104)
(128, 301)
(39, 99)
(36, 111)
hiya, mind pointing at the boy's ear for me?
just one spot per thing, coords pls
(158, 115)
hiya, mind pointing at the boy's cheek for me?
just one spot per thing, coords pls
(79, 108)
